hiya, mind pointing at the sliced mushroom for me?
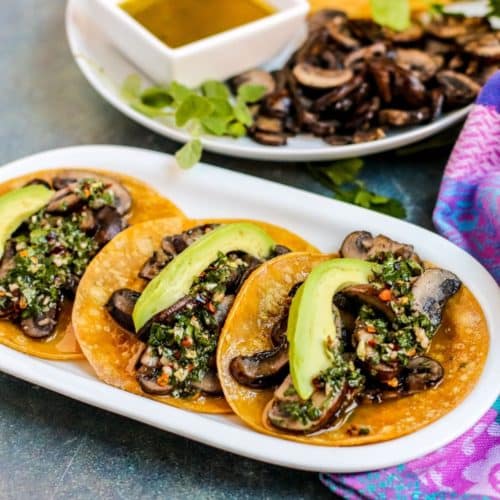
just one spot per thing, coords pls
(412, 34)
(337, 94)
(373, 134)
(120, 307)
(457, 87)
(269, 124)
(155, 264)
(329, 406)
(8, 259)
(487, 46)
(362, 245)
(42, 326)
(88, 222)
(338, 31)
(368, 294)
(314, 76)
(256, 77)
(403, 118)
(422, 373)
(338, 140)
(65, 200)
(39, 182)
(377, 49)
(417, 61)
(321, 17)
(263, 369)
(223, 309)
(122, 199)
(381, 72)
(147, 378)
(209, 384)
(432, 290)
(109, 223)
(270, 139)
(278, 104)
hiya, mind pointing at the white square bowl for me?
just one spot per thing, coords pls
(216, 57)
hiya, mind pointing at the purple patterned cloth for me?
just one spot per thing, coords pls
(468, 213)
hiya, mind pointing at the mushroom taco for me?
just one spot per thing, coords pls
(349, 350)
(150, 306)
(52, 223)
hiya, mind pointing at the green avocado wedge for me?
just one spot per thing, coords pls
(175, 280)
(17, 205)
(311, 323)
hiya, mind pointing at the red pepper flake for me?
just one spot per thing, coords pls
(371, 329)
(211, 308)
(385, 295)
(187, 342)
(372, 343)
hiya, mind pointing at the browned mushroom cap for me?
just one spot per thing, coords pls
(417, 61)
(409, 35)
(109, 223)
(487, 46)
(422, 373)
(402, 118)
(209, 384)
(8, 261)
(381, 71)
(362, 245)
(270, 139)
(256, 77)
(155, 264)
(278, 104)
(268, 124)
(373, 134)
(147, 378)
(314, 76)
(329, 406)
(321, 17)
(122, 198)
(65, 200)
(457, 88)
(41, 326)
(262, 369)
(120, 307)
(432, 290)
(448, 28)
(368, 294)
(377, 49)
(338, 31)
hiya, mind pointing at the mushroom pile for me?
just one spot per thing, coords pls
(352, 79)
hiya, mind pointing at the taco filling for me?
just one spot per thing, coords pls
(48, 246)
(193, 281)
(357, 330)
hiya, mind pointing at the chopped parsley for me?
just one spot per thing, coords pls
(186, 346)
(51, 253)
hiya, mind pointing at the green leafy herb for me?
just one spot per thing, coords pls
(213, 88)
(190, 154)
(210, 109)
(394, 14)
(341, 179)
(156, 97)
(494, 8)
(242, 113)
(251, 93)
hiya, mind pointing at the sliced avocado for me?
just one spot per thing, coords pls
(311, 324)
(17, 205)
(176, 279)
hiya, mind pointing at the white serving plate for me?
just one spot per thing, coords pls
(206, 192)
(106, 68)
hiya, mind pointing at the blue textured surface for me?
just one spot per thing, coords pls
(53, 447)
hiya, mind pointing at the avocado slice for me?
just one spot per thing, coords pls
(17, 205)
(175, 280)
(311, 324)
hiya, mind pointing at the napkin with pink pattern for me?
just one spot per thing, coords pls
(468, 213)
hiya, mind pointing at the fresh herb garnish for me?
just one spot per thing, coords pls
(341, 177)
(211, 109)
(494, 8)
(390, 13)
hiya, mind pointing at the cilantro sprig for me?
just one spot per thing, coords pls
(209, 109)
(341, 177)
